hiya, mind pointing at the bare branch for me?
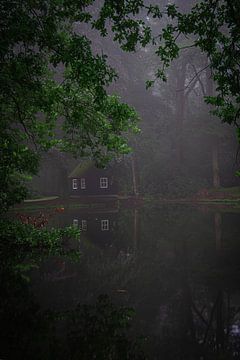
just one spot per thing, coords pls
(187, 47)
(193, 78)
(199, 313)
(199, 79)
(191, 87)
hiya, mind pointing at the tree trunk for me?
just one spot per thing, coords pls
(215, 164)
(134, 178)
(180, 110)
(215, 150)
(135, 232)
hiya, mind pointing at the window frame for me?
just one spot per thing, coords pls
(83, 183)
(105, 225)
(103, 182)
(83, 225)
(74, 184)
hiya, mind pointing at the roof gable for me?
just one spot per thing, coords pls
(81, 168)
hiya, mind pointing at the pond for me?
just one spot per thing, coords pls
(177, 266)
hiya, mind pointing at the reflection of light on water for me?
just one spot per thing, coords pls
(75, 222)
(83, 226)
(235, 330)
(105, 225)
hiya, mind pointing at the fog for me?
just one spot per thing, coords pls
(137, 259)
(182, 148)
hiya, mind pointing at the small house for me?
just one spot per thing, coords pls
(87, 179)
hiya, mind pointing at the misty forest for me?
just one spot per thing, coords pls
(120, 179)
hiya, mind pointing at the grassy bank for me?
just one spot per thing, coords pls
(39, 199)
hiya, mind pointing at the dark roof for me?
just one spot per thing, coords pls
(81, 168)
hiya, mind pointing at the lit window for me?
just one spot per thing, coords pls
(103, 182)
(104, 225)
(83, 183)
(84, 225)
(74, 184)
(75, 222)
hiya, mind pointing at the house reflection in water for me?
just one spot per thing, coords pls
(104, 224)
(99, 226)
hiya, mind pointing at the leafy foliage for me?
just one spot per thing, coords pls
(23, 246)
(16, 160)
(100, 331)
(53, 91)
(210, 26)
(216, 25)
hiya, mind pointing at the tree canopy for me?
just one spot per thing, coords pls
(53, 92)
(54, 87)
(211, 26)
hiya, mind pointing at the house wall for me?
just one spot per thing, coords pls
(92, 181)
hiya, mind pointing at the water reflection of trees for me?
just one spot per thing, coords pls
(171, 264)
(197, 284)
(177, 267)
(99, 330)
(96, 331)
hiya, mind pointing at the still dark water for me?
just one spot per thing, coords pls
(178, 267)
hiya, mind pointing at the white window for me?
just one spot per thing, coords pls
(74, 184)
(83, 183)
(103, 182)
(75, 222)
(84, 225)
(104, 225)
